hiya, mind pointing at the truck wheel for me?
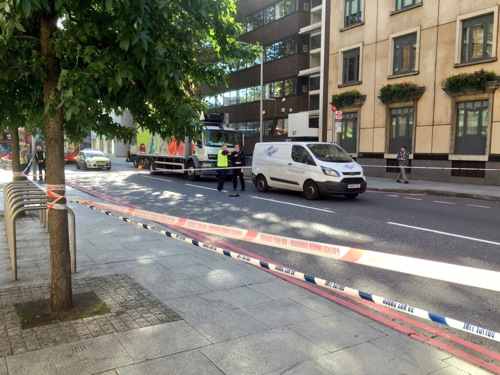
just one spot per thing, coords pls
(136, 162)
(261, 183)
(191, 174)
(311, 190)
(350, 195)
(77, 165)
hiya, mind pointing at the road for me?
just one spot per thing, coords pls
(450, 230)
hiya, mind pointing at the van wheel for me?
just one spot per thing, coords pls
(351, 195)
(191, 174)
(261, 183)
(311, 190)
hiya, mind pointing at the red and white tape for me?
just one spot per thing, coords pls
(475, 277)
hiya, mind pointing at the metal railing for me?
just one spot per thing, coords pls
(21, 196)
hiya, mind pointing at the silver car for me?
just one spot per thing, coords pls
(94, 159)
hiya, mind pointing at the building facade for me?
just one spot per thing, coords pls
(292, 36)
(419, 73)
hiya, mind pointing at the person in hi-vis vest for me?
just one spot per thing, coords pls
(24, 158)
(223, 163)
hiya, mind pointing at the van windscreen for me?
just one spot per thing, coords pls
(330, 153)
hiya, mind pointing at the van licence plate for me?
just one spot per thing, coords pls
(353, 186)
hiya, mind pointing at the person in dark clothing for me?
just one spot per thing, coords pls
(223, 163)
(238, 160)
(403, 158)
(40, 161)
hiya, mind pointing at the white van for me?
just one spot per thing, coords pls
(314, 168)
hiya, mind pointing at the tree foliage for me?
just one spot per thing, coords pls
(140, 55)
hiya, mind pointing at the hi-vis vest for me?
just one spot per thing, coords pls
(222, 160)
(23, 157)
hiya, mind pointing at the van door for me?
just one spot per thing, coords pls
(298, 167)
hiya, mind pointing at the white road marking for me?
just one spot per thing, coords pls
(392, 196)
(413, 199)
(444, 202)
(201, 187)
(157, 178)
(475, 205)
(446, 233)
(292, 204)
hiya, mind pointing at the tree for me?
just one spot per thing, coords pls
(90, 58)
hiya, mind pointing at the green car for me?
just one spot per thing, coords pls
(95, 159)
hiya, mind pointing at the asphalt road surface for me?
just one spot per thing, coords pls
(450, 230)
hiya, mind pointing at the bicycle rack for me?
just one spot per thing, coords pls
(20, 196)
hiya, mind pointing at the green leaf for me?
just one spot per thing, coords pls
(26, 8)
(109, 5)
(58, 4)
(20, 27)
(124, 44)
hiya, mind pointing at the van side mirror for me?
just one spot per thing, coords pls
(198, 144)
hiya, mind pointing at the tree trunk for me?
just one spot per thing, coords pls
(14, 149)
(60, 263)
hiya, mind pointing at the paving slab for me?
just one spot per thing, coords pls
(191, 362)
(3, 366)
(281, 313)
(226, 325)
(336, 332)
(161, 340)
(276, 289)
(85, 357)
(465, 366)
(192, 307)
(307, 367)
(235, 298)
(366, 359)
(424, 356)
(262, 353)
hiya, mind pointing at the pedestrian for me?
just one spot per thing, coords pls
(403, 158)
(24, 158)
(238, 160)
(222, 163)
(40, 160)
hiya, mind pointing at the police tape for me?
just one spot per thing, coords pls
(464, 275)
(395, 305)
(436, 168)
(197, 169)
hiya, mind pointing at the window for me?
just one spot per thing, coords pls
(472, 127)
(314, 83)
(401, 129)
(255, 20)
(280, 49)
(405, 54)
(300, 154)
(477, 38)
(402, 4)
(350, 68)
(349, 132)
(270, 14)
(315, 41)
(352, 12)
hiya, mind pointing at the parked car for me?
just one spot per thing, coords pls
(89, 158)
(314, 168)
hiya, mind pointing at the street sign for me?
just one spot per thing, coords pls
(334, 108)
(338, 116)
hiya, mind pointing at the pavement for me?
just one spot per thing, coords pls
(180, 309)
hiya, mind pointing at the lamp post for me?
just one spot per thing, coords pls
(261, 118)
